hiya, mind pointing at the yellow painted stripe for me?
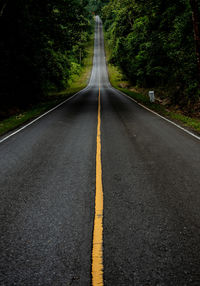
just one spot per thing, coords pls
(97, 251)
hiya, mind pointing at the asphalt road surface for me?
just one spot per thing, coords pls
(151, 188)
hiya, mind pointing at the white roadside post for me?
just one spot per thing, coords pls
(152, 96)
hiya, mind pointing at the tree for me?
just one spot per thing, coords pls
(195, 19)
(38, 47)
(152, 42)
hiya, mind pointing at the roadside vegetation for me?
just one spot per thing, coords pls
(161, 105)
(154, 46)
(46, 55)
(77, 82)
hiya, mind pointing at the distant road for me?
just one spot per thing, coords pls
(100, 185)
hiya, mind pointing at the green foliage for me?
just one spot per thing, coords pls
(117, 81)
(95, 6)
(42, 45)
(78, 80)
(153, 44)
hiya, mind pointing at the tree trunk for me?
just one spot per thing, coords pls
(195, 19)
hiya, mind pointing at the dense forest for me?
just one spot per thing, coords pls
(97, 5)
(42, 44)
(154, 45)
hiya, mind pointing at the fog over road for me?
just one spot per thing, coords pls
(151, 191)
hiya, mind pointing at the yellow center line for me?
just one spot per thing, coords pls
(97, 251)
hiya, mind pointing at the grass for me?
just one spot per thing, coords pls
(78, 82)
(119, 82)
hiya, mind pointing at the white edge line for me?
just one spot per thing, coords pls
(173, 123)
(44, 114)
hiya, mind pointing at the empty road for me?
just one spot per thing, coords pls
(100, 191)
